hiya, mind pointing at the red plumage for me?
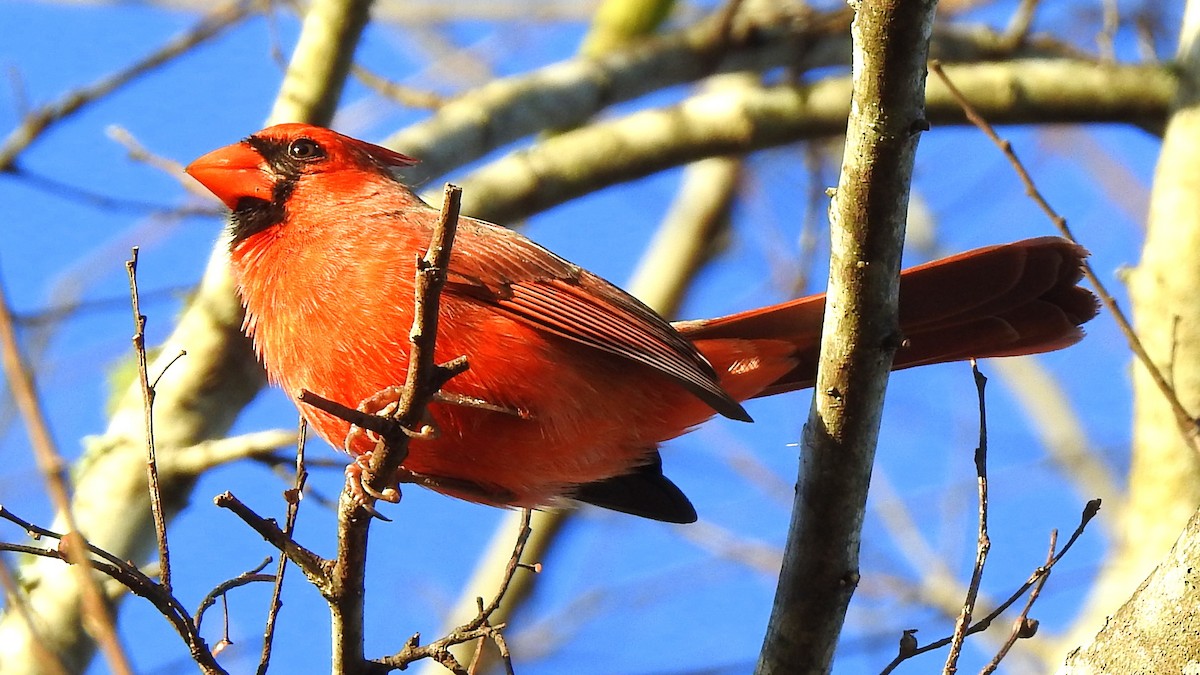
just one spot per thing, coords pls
(324, 243)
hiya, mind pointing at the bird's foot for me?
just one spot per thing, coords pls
(358, 483)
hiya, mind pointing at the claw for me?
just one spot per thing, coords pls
(373, 512)
(358, 483)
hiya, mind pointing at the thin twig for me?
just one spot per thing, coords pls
(1019, 24)
(1023, 626)
(139, 153)
(315, 567)
(60, 189)
(514, 563)
(122, 571)
(250, 577)
(983, 542)
(1111, 14)
(410, 97)
(1186, 422)
(96, 612)
(480, 627)
(139, 348)
(1089, 511)
(224, 641)
(293, 497)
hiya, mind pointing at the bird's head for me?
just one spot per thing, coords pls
(257, 176)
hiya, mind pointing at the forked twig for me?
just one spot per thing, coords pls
(1024, 627)
(1089, 511)
(250, 577)
(477, 628)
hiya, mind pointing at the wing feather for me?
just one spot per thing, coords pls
(543, 290)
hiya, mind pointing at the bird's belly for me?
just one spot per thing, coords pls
(573, 414)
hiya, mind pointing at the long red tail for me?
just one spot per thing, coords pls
(1018, 298)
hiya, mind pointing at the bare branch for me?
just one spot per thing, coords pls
(423, 380)
(250, 577)
(314, 566)
(477, 628)
(70, 550)
(1089, 512)
(983, 541)
(139, 348)
(725, 122)
(294, 496)
(820, 565)
(1187, 423)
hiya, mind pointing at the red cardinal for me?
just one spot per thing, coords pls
(585, 380)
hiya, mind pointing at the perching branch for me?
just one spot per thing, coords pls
(424, 379)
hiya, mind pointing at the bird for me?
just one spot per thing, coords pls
(578, 382)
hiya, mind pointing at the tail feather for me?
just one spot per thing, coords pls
(1007, 300)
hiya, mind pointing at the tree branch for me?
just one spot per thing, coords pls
(424, 379)
(734, 121)
(820, 566)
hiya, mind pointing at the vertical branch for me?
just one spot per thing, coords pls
(820, 567)
(139, 348)
(293, 496)
(423, 380)
(983, 542)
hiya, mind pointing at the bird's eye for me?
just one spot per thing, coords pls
(305, 150)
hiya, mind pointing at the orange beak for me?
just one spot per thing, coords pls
(233, 173)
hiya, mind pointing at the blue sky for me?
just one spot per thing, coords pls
(623, 595)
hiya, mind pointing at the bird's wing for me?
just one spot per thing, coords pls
(554, 295)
